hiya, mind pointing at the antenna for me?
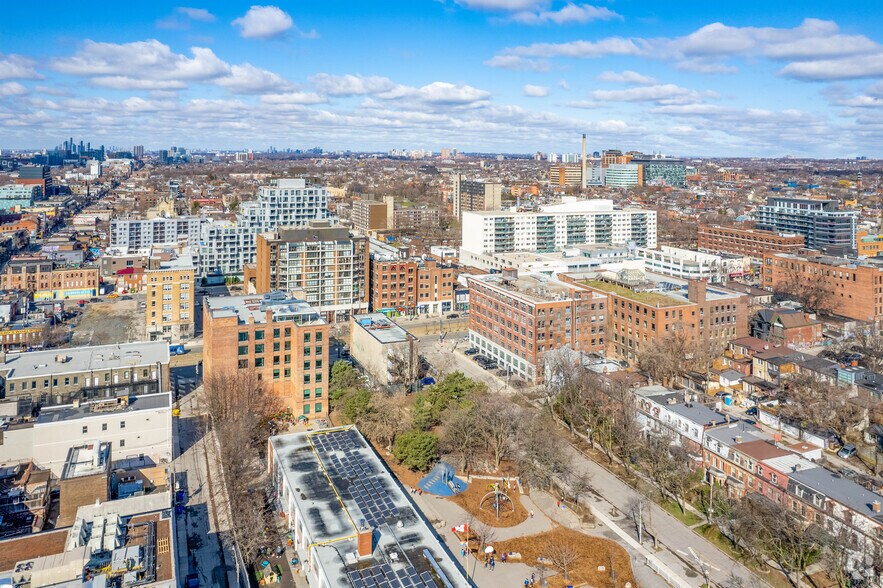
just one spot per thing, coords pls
(583, 178)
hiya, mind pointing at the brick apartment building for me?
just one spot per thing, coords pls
(170, 312)
(855, 287)
(749, 242)
(517, 319)
(868, 245)
(284, 340)
(45, 278)
(411, 286)
(645, 307)
(321, 263)
(371, 215)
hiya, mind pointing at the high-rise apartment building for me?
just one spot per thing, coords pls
(284, 340)
(751, 242)
(131, 234)
(666, 171)
(517, 319)
(138, 151)
(324, 264)
(225, 247)
(37, 175)
(474, 195)
(575, 222)
(170, 312)
(411, 286)
(821, 222)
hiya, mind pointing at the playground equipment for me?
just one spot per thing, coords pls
(442, 481)
(497, 499)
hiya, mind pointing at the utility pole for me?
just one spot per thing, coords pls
(641, 521)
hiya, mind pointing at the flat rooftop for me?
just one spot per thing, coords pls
(86, 460)
(254, 307)
(340, 486)
(532, 288)
(103, 407)
(382, 328)
(81, 359)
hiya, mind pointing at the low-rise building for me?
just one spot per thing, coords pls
(285, 340)
(411, 286)
(65, 376)
(665, 412)
(515, 319)
(748, 242)
(45, 278)
(356, 525)
(386, 350)
(693, 265)
(170, 311)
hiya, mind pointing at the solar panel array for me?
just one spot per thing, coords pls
(383, 576)
(353, 474)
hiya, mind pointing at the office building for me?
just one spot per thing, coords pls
(225, 247)
(355, 526)
(661, 171)
(170, 314)
(386, 351)
(515, 319)
(47, 279)
(284, 340)
(556, 227)
(751, 242)
(410, 286)
(693, 265)
(36, 175)
(131, 234)
(321, 262)
(847, 287)
(868, 245)
(77, 374)
(643, 306)
(623, 175)
(17, 196)
(821, 222)
(474, 195)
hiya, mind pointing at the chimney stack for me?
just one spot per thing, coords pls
(875, 506)
(583, 178)
(365, 542)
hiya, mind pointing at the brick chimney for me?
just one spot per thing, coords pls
(366, 542)
(696, 291)
(875, 506)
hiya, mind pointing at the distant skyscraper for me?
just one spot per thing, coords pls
(138, 151)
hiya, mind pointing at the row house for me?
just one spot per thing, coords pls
(662, 411)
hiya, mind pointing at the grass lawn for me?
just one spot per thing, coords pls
(688, 518)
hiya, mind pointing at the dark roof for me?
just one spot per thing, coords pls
(840, 489)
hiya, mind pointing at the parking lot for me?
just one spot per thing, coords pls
(113, 320)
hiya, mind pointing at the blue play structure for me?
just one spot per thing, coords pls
(441, 481)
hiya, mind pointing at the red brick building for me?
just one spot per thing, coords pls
(749, 242)
(411, 286)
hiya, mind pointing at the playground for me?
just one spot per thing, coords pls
(492, 503)
(442, 481)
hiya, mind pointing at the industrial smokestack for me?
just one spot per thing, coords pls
(583, 180)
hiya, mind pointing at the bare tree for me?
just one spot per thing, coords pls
(498, 422)
(665, 359)
(462, 439)
(237, 394)
(385, 418)
(540, 458)
(561, 554)
(813, 292)
(813, 402)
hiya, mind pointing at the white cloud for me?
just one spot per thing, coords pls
(535, 91)
(659, 93)
(517, 63)
(446, 94)
(584, 49)
(200, 14)
(292, 98)
(351, 85)
(585, 104)
(501, 5)
(567, 14)
(263, 22)
(248, 79)
(564, 85)
(17, 67)
(12, 89)
(846, 68)
(141, 60)
(627, 77)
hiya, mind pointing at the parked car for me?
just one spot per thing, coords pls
(427, 381)
(491, 365)
(125, 297)
(480, 358)
(453, 315)
(82, 303)
(751, 411)
(471, 351)
(113, 295)
(847, 451)
(177, 350)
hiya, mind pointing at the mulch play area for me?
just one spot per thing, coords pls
(469, 500)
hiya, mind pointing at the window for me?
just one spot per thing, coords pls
(122, 442)
(276, 346)
(275, 374)
(103, 426)
(243, 336)
(306, 393)
(287, 372)
(306, 338)
(259, 348)
(318, 350)
(259, 362)
(258, 335)
(318, 337)
(307, 366)
(318, 392)
(243, 364)
(306, 378)
(85, 430)
(243, 350)
(307, 351)
(122, 424)
(318, 378)
(306, 409)
(275, 333)
(318, 407)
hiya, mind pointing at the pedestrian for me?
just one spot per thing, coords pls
(492, 563)
(533, 578)
(531, 514)
(485, 561)
(558, 504)
(526, 583)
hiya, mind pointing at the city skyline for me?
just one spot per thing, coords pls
(514, 76)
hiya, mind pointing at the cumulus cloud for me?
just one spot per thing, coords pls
(292, 98)
(535, 91)
(814, 50)
(627, 77)
(585, 104)
(514, 62)
(659, 93)
(248, 79)
(568, 14)
(12, 89)
(351, 85)
(263, 22)
(17, 67)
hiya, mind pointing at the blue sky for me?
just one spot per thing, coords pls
(681, 77)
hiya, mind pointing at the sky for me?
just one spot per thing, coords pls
(681, 77)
